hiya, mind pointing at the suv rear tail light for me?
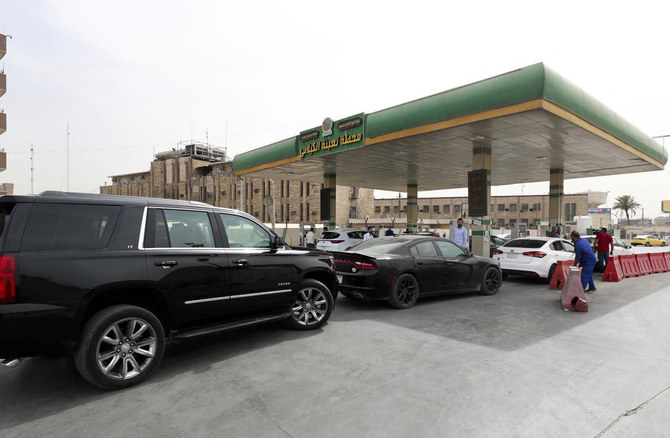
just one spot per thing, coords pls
(358, 264)
(497, 251)
(7, 279)
(538, 254)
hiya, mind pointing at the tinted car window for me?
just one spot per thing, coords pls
(5, 212)
(356, 234)
(53, 227)
(449, 249)
(184, 229)
(424, 249)
(244, 233)
(525, 243)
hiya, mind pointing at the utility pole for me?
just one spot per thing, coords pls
(32, 169)
(67, 157)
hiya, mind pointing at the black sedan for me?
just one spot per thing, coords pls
(401, 269)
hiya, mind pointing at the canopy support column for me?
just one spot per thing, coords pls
(481, 225)
(556, 178)
(412, 207)
(329, 200)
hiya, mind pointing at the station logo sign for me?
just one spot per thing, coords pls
(332, 136)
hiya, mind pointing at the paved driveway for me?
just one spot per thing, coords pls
(511, 365)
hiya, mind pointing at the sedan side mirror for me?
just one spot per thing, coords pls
(276, 242)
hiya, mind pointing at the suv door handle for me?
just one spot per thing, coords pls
(241, 262)
(166, 263)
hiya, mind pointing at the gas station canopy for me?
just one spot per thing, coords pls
(531, 120)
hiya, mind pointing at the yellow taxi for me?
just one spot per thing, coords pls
(647, 240)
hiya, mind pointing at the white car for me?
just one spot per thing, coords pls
(533, 256)
(340, 240)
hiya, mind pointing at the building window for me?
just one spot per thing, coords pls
(447, 209)
(501, 207)
(308, 184)
(387, 209)
(535, 221)
(307, 210)
(425, 209)
(501, 223)
(353, 214)
(512, 222)
(512, 207)
(524, 207)
(281, 213)
(302, 212)
(396, 209)
(282, 189)
(537, 207)
(570, 211)
(302, 189)
(378, 209)
(436, 208)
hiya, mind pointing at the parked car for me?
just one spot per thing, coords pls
(648, 240)
(533, 256)
(340, 240)
(620, 247)
(402, 269)
(111, 279)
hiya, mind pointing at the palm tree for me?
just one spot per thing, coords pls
(626, 203)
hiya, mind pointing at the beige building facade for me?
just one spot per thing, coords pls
(194, 177)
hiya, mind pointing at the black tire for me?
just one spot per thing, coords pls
(312, 307)
(491, 281)
(662, 243)
(120, 346)
(405, 292)
(551, 273)
(647, 244)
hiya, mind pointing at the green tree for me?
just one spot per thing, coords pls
(626, 203)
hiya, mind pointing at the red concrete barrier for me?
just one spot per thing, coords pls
(657, 262)
(666, 256)
(613, 271)
(572, 297)
(643, 263)
(629, 266)
(560, 274)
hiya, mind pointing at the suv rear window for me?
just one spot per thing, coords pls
(525, 243)
(53, 227)
(329, 235)
(5, 212)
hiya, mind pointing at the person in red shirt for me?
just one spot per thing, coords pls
(604, 244)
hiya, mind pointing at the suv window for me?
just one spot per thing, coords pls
(185, 228)
(53, 227)
(244, 233)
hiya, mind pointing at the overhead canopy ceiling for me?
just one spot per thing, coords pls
(531, 120)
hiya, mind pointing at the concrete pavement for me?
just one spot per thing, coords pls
(511, 365)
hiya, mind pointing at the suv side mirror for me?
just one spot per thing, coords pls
(276, 242)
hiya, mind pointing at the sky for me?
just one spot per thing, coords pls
(128, 79)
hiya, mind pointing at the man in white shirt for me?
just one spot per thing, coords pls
(459, 235)
(368, 235)
(310, 239)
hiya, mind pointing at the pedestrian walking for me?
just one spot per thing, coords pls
(604, 244)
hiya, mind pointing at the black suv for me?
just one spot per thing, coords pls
(111, 278)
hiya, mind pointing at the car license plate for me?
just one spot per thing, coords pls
(511, 255)
(339, 279)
